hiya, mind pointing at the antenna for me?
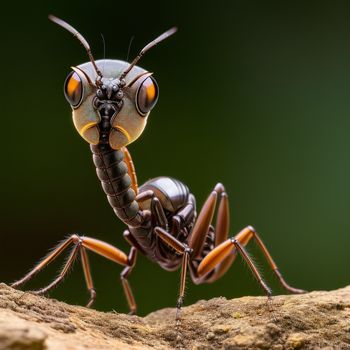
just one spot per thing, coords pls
(153, 43)
(82, 40)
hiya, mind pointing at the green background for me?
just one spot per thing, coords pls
(254, 94)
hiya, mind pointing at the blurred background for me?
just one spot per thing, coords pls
(254, 94)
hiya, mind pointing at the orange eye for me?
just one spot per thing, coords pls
(73, 89)
(147, 95)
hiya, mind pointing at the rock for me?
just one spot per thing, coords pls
(317, 320)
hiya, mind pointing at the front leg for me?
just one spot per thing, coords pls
(131, 169)
(157, 210)
(183, 250)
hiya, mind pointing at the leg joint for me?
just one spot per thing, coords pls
(132, 257)
(219, 188)
(251, 228)
(188, 250)
(234, 240)
(76, 239)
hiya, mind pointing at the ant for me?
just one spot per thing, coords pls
(110, 111)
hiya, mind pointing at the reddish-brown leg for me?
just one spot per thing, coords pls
(87, 275)
(221, 234)
(63, 272)
(185, 251)
(261, 245)
(124, 278)
(234, 245)
(80, 244)
(50, 257)
(184, 264)
(201, 228)
(131, 169)
(162, 232)
(132, 241)
(205, 217)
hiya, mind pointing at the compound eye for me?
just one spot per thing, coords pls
(147, 96)
(73, 89)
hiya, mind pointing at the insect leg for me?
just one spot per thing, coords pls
(185, 251)
(63, 272)
(88, 278)
(157, 210)
(132, 241)
(112, 253)
(221, 234)
(77, 241)
(236, 244)
(81, 244)
(251, 233)
(223, 250)
(49, 258)
(156, 207)
(131, 169)
(184, 216)
(184, 265)
(201, 227)
(169, 239)
(124, 278)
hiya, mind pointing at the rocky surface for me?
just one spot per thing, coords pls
(317, 320)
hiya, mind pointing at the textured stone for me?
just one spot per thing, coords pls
(317, 320)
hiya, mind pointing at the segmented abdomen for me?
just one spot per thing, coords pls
(116, 183)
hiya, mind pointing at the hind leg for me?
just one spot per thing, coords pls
(201, 230)
(217, 259)
(235, 245)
